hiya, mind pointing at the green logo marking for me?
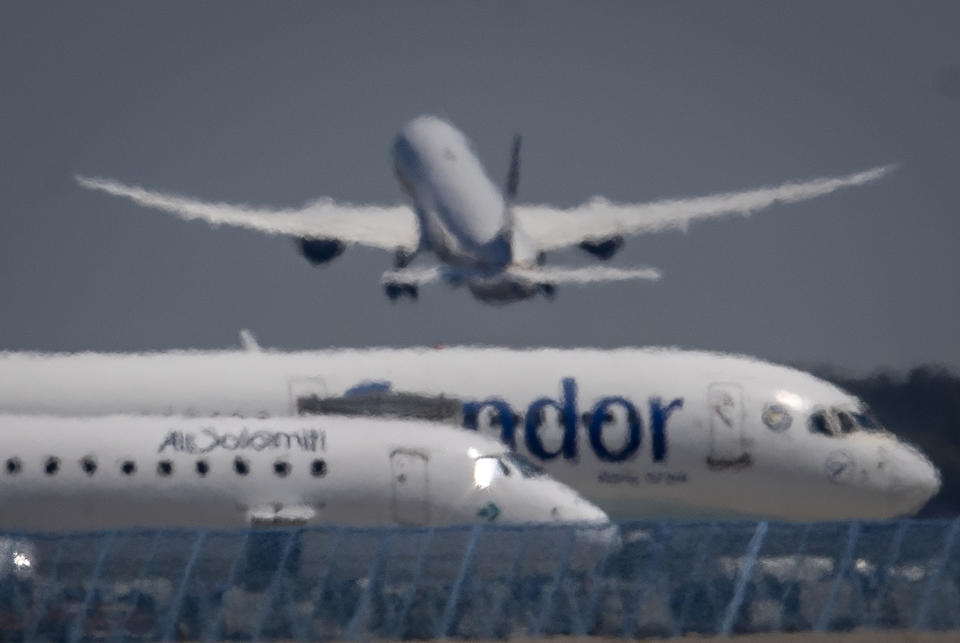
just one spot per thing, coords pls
(489, 511)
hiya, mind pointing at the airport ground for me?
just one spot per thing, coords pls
(857, 636)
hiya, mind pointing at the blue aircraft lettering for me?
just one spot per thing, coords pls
(596, 419)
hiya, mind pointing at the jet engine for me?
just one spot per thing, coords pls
(320, 251)
(603, 248)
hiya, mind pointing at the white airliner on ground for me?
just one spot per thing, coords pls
(485, 240)
(111, 472)
(639, 432)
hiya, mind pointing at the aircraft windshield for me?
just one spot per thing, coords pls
(836, 422)
(486, 469)
(527, 469)
(867, 419)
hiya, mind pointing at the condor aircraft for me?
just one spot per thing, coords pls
(132, 471)
(639, 432)
(484, 239)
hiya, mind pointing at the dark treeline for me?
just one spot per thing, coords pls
(922, 408)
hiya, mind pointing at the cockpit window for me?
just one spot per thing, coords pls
(847, 425)
(867, 420)
(819, 424)
(836, 422)
(527, 469)
(486, 469)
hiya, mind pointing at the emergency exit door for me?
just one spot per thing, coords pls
(411, 487)
(727, 439)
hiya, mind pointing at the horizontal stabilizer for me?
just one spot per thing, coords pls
(548, 275)
(585, 275)
(413, 276)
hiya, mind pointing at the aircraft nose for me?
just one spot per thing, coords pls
(580, 510)
(917, 480)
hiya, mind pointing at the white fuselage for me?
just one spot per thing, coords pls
(462, 215)
(128, 471)
(640, 432)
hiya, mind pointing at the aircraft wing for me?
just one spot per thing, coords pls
(599, 219)
(386, 227)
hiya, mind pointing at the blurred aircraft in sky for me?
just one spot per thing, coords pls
(483, 238)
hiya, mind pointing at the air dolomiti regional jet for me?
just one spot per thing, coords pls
(484, 239)
(639, 432)
(128, 471)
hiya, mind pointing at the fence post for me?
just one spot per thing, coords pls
(450, 609)
(401, 624)
(77, 629)
(215, 624)
(823, 621)
(372, 576)
(893, 554)
(271, 592)
(597, 584)
(648, 576)
(557, 576)
(136, 593)
(741, 588)
(923, 610)
(45, 591)
(699, 562)
(187, 572)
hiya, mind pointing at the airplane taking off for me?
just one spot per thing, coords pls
(132, 471)
(641, 433)
(484, 239)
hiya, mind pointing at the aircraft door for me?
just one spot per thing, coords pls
(727, 426)
(411, 487)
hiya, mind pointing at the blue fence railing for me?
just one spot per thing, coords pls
(480, 582)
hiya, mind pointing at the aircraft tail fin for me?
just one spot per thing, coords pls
(249, 341)
(513, 175)
(510, 190)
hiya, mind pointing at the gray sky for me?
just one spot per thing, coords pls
(278, 103)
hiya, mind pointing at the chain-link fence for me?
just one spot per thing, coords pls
(482, 581)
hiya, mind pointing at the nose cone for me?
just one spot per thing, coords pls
(917, 481)
(579, 510)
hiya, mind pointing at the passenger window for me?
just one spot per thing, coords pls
(819, 424)
(88, 464)
(318, 468)
(52, 465)
(281, 468)
(164, 468)
(241, 466)
(14, 466)
(202, 468)
(128, 467)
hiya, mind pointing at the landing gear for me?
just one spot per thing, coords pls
(402, 258)
(549, 290)
(396, 291)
